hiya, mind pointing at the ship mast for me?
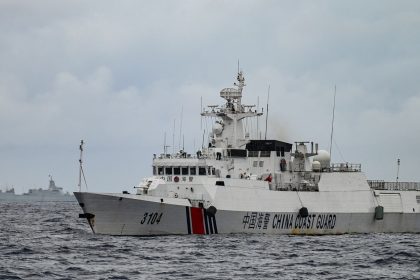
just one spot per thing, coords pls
(229, 131)
(81, 173)
(80, 168)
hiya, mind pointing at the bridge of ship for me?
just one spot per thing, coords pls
(187, 168)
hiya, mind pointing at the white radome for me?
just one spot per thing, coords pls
(217, 128)
(316, 166)
(323, 157)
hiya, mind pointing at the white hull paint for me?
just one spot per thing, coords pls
(129, 214)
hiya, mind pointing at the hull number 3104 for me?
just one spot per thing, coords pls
(151, 218)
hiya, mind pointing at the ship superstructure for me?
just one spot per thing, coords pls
(231, 153)
(52, 194)
(8, 194)
(238, 184)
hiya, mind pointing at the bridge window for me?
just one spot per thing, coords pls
(184, 170)
(236, 153)
(265, 153)
(252, 153)
(160, 170)
(261, 163)
(280, 152)
(201, 171)
(255, 163)
(193, 170)
(168, 170)
(154, 170)
(177, 171)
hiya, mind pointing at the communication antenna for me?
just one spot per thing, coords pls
(180, 128)
(165, 147)
(398, 170)
(266, 116)
(173, 138)
(202, 144)
(258, 117)
(332, 122)
(164, 143)
(201, 111)
(81, 173)
(238, 65)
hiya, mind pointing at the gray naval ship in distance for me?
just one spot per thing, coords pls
(237, 184)
(53, 193)
(8, 194)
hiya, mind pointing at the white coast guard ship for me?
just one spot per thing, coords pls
(241, 185)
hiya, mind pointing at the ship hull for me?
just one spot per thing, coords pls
(127, 214)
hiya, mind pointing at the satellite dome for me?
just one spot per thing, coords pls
(217, 128)
(323, 157)
(316, 166)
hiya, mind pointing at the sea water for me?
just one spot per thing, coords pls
(49, 241)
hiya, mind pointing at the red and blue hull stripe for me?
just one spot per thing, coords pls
(199, 221)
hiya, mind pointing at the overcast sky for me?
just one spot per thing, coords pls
(117, 74)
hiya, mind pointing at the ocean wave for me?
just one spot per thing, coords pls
(36, 245)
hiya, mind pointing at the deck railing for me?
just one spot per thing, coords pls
(394, 186)
(345, 167)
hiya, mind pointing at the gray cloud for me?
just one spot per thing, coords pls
(117, 75)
